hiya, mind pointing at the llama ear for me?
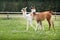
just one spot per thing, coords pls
(25, 7)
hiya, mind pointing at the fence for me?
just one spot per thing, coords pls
(18, 14)
(57, 15)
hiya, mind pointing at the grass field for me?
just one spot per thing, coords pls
(14, 29)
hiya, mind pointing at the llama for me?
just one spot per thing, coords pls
(28, 17)
(40, 16)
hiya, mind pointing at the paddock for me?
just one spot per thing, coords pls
(14, 29)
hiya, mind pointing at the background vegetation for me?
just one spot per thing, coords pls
(41, 5)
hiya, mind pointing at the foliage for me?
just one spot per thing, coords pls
(41, 5)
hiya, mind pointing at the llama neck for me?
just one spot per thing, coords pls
(24, 14)
(33, 10)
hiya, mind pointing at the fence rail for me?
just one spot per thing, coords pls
(8, 14)
(11, 12)
(57, 13)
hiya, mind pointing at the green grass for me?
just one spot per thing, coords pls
(14, 29)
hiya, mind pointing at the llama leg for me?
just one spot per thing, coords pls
(53, 24)
(39, 26)
(42, 27)
(49, 24)
(31, 24)
(36, 26)
(49, 20)
(27, 25)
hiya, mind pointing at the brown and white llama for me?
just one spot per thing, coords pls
(40, 16)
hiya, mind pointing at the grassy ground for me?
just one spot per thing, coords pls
(14, 29)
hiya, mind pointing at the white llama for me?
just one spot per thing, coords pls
(28, 17)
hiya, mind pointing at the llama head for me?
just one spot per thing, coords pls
(33, 9)
(23, 9)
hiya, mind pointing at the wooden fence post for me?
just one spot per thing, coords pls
(55, 15)
(7, 15)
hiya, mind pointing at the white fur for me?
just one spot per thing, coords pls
(28, 17)
(33, 10)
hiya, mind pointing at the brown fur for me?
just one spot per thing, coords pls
(42, 16)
